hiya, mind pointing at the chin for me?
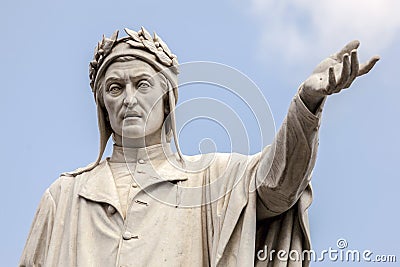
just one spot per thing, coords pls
(133, 132)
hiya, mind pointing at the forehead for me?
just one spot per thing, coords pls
(129, 69)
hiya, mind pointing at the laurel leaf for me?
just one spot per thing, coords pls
(164, 58)
(134, 35)
(175, 65)
(108, 44)
(150, 45)
(165, 47)
(96, 49)
(93, 63)
(146, 34)
(155, 37)
(135, 44)
(114, 36)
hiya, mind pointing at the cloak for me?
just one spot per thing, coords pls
(232, 212)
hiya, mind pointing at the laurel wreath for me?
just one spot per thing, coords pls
(141, 39)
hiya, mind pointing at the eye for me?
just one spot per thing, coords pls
(114, 89)
(143, 85)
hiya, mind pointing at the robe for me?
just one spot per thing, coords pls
(224, 209)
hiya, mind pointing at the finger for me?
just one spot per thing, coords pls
(344, 77)
(365, 68)
(347, 49)
(355, 66)
(331, 81)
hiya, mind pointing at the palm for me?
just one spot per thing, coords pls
(337, 72)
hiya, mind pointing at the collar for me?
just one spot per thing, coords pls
(132, 155)
(98, 184)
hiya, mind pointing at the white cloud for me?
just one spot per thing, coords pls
(291, 26)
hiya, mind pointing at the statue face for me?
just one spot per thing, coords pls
(133, 97)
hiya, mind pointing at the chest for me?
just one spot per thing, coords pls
(153, 231)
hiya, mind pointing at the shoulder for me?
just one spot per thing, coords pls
(69, 182)
(218, 161)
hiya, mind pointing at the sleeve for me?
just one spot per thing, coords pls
(284, 170)
(37, 244)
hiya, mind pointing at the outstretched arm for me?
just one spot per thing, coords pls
(285, 170)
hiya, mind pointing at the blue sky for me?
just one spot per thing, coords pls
(49, 120)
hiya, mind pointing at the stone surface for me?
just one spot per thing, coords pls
(141, 207)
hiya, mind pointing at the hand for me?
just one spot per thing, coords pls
(334, 74)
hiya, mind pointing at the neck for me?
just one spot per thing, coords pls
(150, 140)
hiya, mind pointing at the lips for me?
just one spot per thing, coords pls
(132, 115)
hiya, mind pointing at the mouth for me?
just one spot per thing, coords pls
(132, 116)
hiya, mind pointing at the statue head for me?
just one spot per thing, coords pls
(121, 63)
(134, 98)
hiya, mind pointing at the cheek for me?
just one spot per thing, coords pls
(153, 102)
(111, 105)
(156, 117)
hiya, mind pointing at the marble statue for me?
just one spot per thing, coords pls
(135, 207)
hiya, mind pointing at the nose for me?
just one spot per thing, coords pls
(130, 98)
(130, 101)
